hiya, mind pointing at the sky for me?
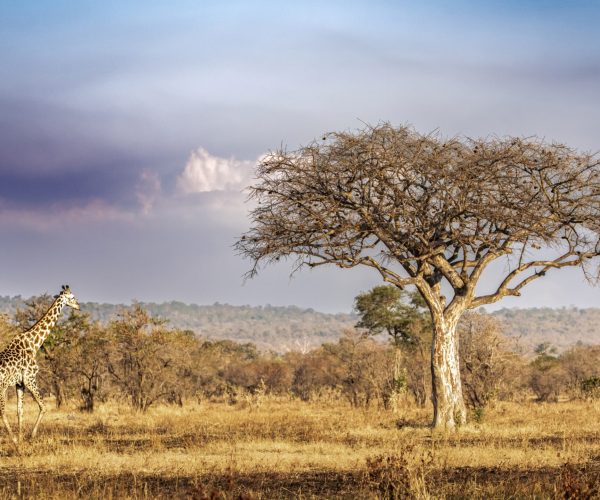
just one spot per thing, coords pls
(130, 129)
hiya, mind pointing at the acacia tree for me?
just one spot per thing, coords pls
(431, 212)
(484, 358)
(92, 351)
(386, 308)
(148, 361)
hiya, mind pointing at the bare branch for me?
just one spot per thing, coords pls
(504, 290)
(421, 209)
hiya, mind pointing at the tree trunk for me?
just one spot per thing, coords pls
(59, 392)
(448, 404)
(87, 400)
(397, 367)
(88, 392)
(398, 382)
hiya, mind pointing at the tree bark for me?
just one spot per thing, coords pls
(399, 382)
(397, 365)
(449, 408)
(59, 392)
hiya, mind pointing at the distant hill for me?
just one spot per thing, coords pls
(561, 327)
(269, 327)
(293, 328)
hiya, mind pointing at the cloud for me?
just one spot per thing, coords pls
(205, 172)
(58, 217)
(148, 190)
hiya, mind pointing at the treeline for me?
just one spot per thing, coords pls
(291, 328)
(141, 360)
(562, 327)
(268, 327)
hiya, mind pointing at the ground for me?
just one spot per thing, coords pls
(287, 448)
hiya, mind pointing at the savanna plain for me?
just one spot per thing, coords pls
(277, 447)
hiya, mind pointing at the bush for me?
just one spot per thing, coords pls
(590, 387)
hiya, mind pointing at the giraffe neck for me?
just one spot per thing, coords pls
(38, 333)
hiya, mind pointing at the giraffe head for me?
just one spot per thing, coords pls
(68, 298)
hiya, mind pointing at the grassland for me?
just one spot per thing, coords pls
(273, 448)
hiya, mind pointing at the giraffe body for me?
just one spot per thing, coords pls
(18, 365)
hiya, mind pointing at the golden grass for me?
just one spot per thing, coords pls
(287, 448)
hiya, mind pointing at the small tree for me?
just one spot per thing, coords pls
(385, 308)
(357, 360)
(582, 368)
(388, 309)
(431, 212)
(92, 354)
(314, 372)
(548, 378)
(147, 358)
(484, 358)
(60, 359)
(211, 361)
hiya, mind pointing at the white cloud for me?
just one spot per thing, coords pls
(205, 172)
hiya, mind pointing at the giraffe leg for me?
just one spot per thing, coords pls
(3, 413)
(20, 390)
(32, 387)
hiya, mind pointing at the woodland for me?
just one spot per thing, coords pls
(283, 329)
(142, 359)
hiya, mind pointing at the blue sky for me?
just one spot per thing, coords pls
(129, 129)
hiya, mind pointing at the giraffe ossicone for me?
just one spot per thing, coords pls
(18, 364)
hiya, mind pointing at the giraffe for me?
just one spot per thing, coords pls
(18, 365)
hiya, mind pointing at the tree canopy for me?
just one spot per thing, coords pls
(423, 208)
(387, 308)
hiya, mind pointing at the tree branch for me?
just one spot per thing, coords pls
(504, 288)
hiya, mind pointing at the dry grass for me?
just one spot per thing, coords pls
(284, 448)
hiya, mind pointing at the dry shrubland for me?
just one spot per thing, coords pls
(138, 409)
(267, 446)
